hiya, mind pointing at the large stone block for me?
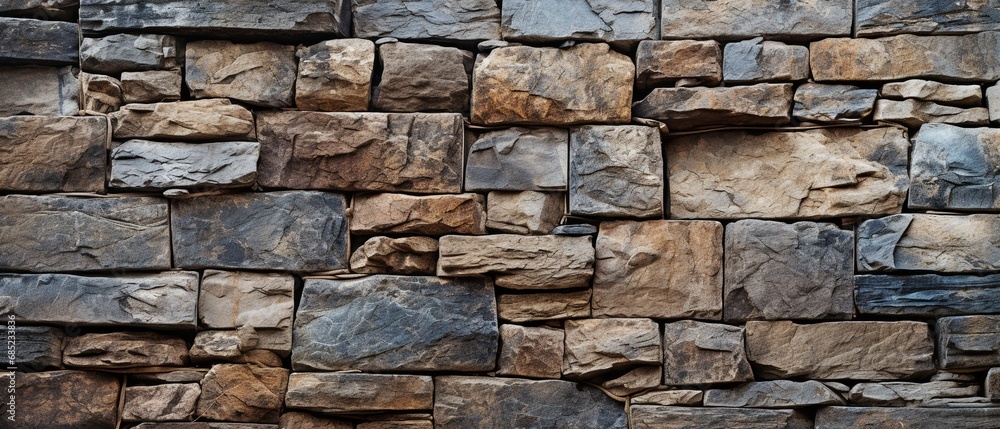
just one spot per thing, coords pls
(52, 154)
(519, 308)
(615, 171)
(485, 402)
(597, 346)
(404, 255)
(663, 417)
(904, 394)
(910, 418)
(440, 20)
(166, 300)
(62, 10)
(425, 215)
(585, 83)
(36, 348)
(233, 18)
(50, 233)
(884, 17)
(957, 244)
(840, 350)
(335, 75)
(263, 301)
(165, 402)
(528, 212)
(142, 164)
(530, 351)
(423, 78)
(396, 152)
(151, 86)
(809, 174)
(118, 350)
(833, 103)
(54, 399)
(773, 394)
(396, 323)
(518, 159)
(534, 21)
(660, 269)
(969, 58)
(780, 271)
(953, 168)
(684, 62)
(33, 41)
(736, 19)
(679, 397)
(119, 53)
(755, 60)
(968, 342)
(686, 108)
(243, 393)
(47, 91)
(519, 262)
(196, 120)
(261, 74)
(927, 295)
(291, 230)
(339, 393)
(913, 113)
(698, 353)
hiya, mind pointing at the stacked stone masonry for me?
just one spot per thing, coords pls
(499, 214)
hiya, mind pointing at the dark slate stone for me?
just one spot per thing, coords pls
(396, 323)
(32, 41)
(885, 17)
(37, 348)
(451, 20)
(293, 231)
(955, 168)
(50, 10)
(669, 417)
(575, 229)
(486, 402)
(909, 418)
(927, 295)
(815, 102)
(968, 342)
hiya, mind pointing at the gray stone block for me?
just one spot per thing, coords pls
(885, 17)
(33, 41)
(739, 19)
(816, 102)
(540, 21)
(968, 342)
(925, 242)
(440, 20)
(518, 159)
(141, 164)
(119, 53)
(953, 168)
(910, 418)
(616, 171)
(927, 295)
(755, 60)
(47, 91)
(669, 417)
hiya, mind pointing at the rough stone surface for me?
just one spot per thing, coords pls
(50, 9)
(60, 393)
(883, 17)
(32, 90)
(151, 86)
(927, 295)
(780, 271)
(669, 397)
(665, 62)
(297, 420)
(736, 19)
(335, 75)
(118, 53)
(773, 394)
(910, 418)
(387, 255)
(338, 393)
(958, 244)
(306, 231)
(529, 351)
(409, 214)
(205, 425)
(188, 375)
(141, 164)
(262, 73)
(901, 394)
(816, 102)
(840, 350)
(913, 113)
(124, 350)
(596, 346)
(396, 323)
(698, 353)
(637, 380)
(101, 94)
(528, 212)
(36, 348)
(196, 120)
(586, 83)
(518, 159)
(484, 402)
(440, 20)
(51, 233)
(397, 152)
(575, 229)
(968, 58)
(52, 154)
(660, 417)
(686, 108)
(517, 261)
(243, 393)
(992, 385)
(953, 168)
(423, 78)
(755, 60)
(993, 102)
(615, 171)
(227, 346)
(539, 21)
(968, 342)
(165, 402)
(397, 424)
(519, 308)
(264, 301)
(808, 174)
(928, 90)
(34, 41)
(660, 269)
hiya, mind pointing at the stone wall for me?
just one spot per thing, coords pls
(460, 214)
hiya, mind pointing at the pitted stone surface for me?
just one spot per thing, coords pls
(440, 20)
(616, 171)
(539, 21)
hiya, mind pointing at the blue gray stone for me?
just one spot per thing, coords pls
(439, 20)
(816, 102)
(575, 229)
(755, 60)
(33, 41)
(968, 343)
(740, 19)
(539, 21)
(885, 17)
(518, 159)
(36, 348)
(927, 295)
(955, 168)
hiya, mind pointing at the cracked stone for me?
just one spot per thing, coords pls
(143, 164)
(196, 120)
(616, 171)
(38, 348)
(426, 215)
(740, 19)
(297, 420)
(914, 113)
(519, 262)
(387, 255)
(669, 397)
(663, 417)
(992, 384)
(335, 75)
(884, 17)
(436, 20)
(34, 41)
(968, 342)
(243, 393)
(264, 301)
(101, 94)
(928, 90)
(528, 213)
(165, 402)
(347, 393)
(52, 154)
(755, 60)
(687, 108)
(112, 55)
(955, 244)
(927, 295)
(597, 346)
(60, 395)
(62, 10)
(44, 91)
(816, 102)
(423, 78)
(227, 346)
(518, 159)
(666, 62)
(903, 394)
(261, 74)
(773, 394)
(530, 351)
(910, 418)
(698, 353)
(118, 350)
(634, 381)
(151, 86)
(534, 21)
(519, 308)
(953, 168)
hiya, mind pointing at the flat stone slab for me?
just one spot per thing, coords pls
(425, 215)
(910, 418)
(519, 308)
(740, 19)
(904, 394)
(615, 171)
(698, 353)
(534, 21)
(518, 159)
(395, 152)
(914, 113)
(885, 17)
(48, 91)
(52, 154)
(953, 169)
(955, 244)
(124, 350)
(755, 60)
(60, 393)
(773, 394)
(816, 102)
(927, 295)
(526, 213)
(968, 342)
(404, 255)
(119, 53)
(597, 346)
(143, 164)
(36, 348)
(437, 20)
(929, 90)
(196, 120)
(687, 108)
(34, 41)
(161, 402)
(339, 393)
(396, 323)
(517, 261)
(151, 86)
(262, 74)
(669, 417)
(305, 231)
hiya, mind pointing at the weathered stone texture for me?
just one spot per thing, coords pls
(197, 120)
(33, 41)
(53, 400)
(883, 17)
(735, 19)
(954, 168)
(520, 308)
(661, 417)
(773, 394)
(427, 215)
(585, 83)
(395, 323)
(441, 20)
(335, 75)
(755, 60)
(993, 102)
(225, 346)
(297, 420)
(32, 90)
(902, 394)
(924, 295)
(519, 262)
(50, 9)
(808, 174)
(243, 393)
(968, 342)
(686, 108)
(697, 353)
(616, 171)
(142, 164)
(639, 379)
(229, 300)
(535, 352)
(539, 21)
(928, 90)
(338, 393)
(910, 418)
(124, 350)
(913, 113)
(165, 402)
(396, 152)
(840, 350)
(833, 103)
(405, 255)
(118, 53)
(262, 73)
(101, 94)
(36, 348)
(518, 159)
(292, 230)
(684, 62)
(958, 244)
(423, 78)
(992, 384)
(669, 397)
(660, 269)
(151, 86)
(597, 346)
(52, 154)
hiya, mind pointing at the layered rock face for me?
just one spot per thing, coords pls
(500, 214)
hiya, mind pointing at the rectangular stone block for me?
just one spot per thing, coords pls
(262, 74)
(520, 308)
(586, 83)
(423, 78)
(664, 417)
(904, 394)
(526, 213)
(736, 19)
(968, 342)
(698, 353)
(440, 20)
(833, 103)
(598, 346)
(50, 233)
(755, 60)
(62, 10)
(518, 159)
(928, 90)
(33, 41)
(956, 244)
(35, 348)
(53, 399)
(927, 295)
(992, 384)
(403, 255)
(264, 301)
(232, 18)
(519, 262)
(968, 58)
(910, 418)
(151, 86)
(47, 91)
(661, 269)
(885, 17)
(124, 350)
(530, 351)
(825, 173)
(159, 301)
(424, 215)
(248, 393)
(335, 75)
(52, 154)
(615, 171)
(684, 62)
(840, 350)
(196, 120)
(953, 169)
(339, 393)
(164, 402)
(774, 394)
(396, 323)
(395, 152)
(119, 53)
(540, 21)
(143, 164)
(914, 113)
(687, 108)
(291, 230)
